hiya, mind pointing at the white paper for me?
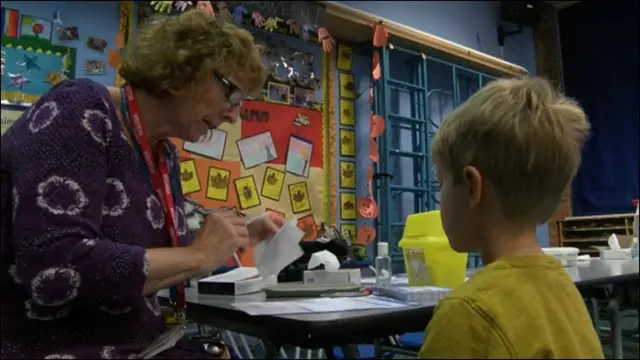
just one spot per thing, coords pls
(613, 242)
(271, 256)
(326, 258)
(235, 275)
(212, 148)
(319, 305)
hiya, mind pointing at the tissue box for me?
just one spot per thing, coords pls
(340, 277)
(239, 281)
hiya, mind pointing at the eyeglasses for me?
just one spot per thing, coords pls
(232, 93)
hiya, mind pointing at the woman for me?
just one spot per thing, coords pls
(88, 225)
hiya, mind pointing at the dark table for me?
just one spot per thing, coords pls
(326, 330)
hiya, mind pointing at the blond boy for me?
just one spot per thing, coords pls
(503, 159)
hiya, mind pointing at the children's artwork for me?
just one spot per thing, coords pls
(298, 156)
(278, 93)
(304, 97)
(347, 86)
(10, 22)
(307, 224)
(257, 149)
(189, 177)
(272, 183)
(345, 57)
(301, 120)
(32, 67)
(348, 230)
(299, 196)
(212, 148)
(348, 174)
(218, 184)
(348, 206)
(347, 142)
(69, 33)
(94, 67)
(347, 113)
(275, 213)
(33, 28)
(247, 192)
(96, 44)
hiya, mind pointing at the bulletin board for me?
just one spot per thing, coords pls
(32, 67)
(271, 161)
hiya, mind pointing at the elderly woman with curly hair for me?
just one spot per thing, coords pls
(92, 210)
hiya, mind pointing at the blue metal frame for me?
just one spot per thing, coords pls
(424, 187)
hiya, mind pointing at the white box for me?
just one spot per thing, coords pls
(340, 277)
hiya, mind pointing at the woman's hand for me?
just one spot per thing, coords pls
(221, 235)
(263, 228)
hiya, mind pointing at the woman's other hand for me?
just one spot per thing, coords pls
(221, 235)
(263, 228)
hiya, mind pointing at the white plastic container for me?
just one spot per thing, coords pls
(568, 256)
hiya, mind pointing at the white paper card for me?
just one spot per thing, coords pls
(271, 256)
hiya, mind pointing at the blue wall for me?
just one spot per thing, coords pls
(468, 23)
(97, 19)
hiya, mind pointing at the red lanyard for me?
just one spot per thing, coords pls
(159, 178)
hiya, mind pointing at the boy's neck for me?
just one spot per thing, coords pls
(516, 243)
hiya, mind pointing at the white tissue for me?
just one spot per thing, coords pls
(613, 242)
(271, 256)
(326, 258)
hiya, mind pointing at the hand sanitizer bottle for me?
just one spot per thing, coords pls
(383, 265)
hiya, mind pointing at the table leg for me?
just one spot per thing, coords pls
(271, 350)
(616, 332)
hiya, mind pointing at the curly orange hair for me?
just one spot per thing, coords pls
(171, 54)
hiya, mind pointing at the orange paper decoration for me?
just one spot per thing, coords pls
(113, 58)
(380, 35)
(367, 208)
(376, 125)
(370, 174)
(373, 150)
(376, 73)
(366, 234)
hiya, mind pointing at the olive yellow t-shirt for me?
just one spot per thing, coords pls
(515, 308)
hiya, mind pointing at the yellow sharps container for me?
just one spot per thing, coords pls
(428, 258)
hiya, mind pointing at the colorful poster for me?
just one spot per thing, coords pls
(247, 192)
(299, 156)
(348, 206)
(218, 184)
(347, 113)
(299, 195)
(272, 183)
(348, 174)
(189, 177)
(32, 67)
(347, 142)
(9, 116)
(272, 161)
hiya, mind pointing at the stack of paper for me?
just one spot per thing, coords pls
(319, 305)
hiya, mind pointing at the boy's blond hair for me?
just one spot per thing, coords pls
(523, 137)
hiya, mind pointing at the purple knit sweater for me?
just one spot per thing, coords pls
(77, 213)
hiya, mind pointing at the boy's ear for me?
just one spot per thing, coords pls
(473, 181)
